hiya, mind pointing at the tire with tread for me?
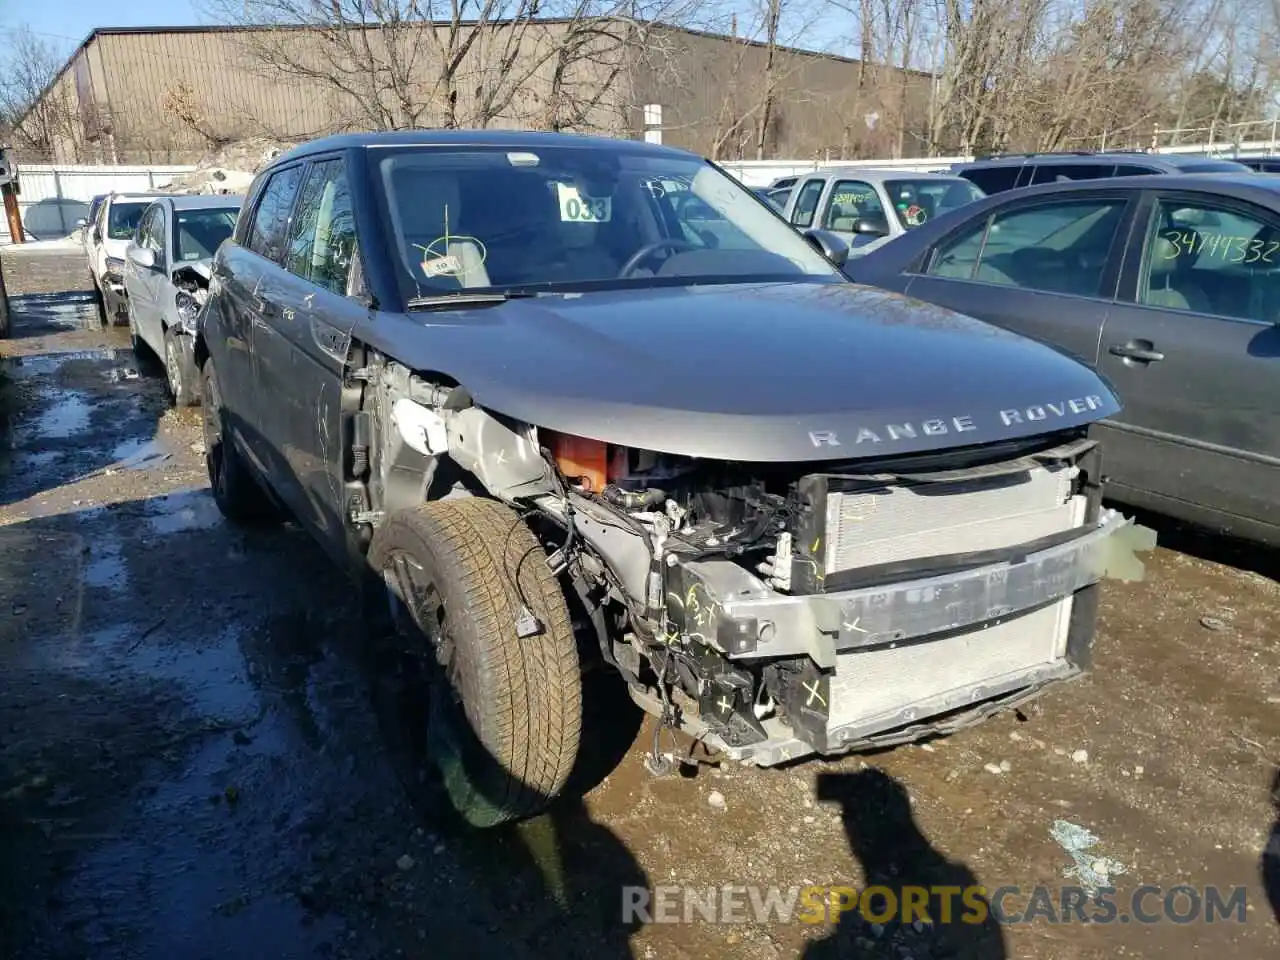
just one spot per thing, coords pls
(509, 749)
(180, 372)
(235, 491)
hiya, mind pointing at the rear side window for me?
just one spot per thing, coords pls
(993, 179)
(1056, 172)
(807, 202)
(271, 219)
(1135, 170)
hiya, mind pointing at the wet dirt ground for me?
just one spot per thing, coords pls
(204, 752)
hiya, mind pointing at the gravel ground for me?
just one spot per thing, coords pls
(205, 753)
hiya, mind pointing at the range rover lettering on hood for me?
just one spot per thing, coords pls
(964, 423)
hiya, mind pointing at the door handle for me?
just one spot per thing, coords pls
(1141, 350)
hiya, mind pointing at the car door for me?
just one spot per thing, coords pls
(248, 272)
(150, 318)
(302, 352)
(1044, 266)
(846, 204)
(1193, 348)
(138, 278)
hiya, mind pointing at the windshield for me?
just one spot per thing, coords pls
(579, 217)
(918, 201)
(122, 220)
(198, 233)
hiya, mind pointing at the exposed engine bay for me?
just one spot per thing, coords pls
(776, 610)
(192, 281)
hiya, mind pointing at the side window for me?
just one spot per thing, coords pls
(1052, 247)
(1214, 259)
(322, 239)
(1134, 170)
(993, 179)
(1053, 172)
(143, 234)
(807, 202)
(154, 232)
(271, 219)
(852, 200)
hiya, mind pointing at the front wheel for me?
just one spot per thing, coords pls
(180, 369)
(237, 494)
(473, 593)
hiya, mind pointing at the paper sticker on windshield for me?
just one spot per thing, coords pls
(577, 208)
(446, 266)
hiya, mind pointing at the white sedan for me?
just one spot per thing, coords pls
(167, 277)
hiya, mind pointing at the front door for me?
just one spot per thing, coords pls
(148, 313)
(851, 201)
(1193, 348)
(302, 352)
(1042, 267)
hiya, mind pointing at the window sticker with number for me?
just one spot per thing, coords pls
(854, 198)
(1233, 249)
(577, 207)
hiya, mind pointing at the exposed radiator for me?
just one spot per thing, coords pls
(877, 689)
(909, 521)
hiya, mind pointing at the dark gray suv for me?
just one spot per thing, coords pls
(1006, 171)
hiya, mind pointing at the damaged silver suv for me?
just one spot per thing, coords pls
(515, 375)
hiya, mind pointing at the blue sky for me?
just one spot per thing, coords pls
(67, 22)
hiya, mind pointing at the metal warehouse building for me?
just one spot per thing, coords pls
(169, 95)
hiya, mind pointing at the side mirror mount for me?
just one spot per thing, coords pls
(870, 227)
(142, 256)
(829, 245)
(81, 223)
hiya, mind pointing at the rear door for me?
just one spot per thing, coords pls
(1193, 347)
(1043, 266)
(250, 277)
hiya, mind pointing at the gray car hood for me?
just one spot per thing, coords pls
(752, 372)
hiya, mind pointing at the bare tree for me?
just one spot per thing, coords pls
(44, 117)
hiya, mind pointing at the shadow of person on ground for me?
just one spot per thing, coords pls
(1269, 862)
(894, 854)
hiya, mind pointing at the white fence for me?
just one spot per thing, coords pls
(60, 194)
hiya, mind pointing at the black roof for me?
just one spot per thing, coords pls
(512, 139)
(1243, 186)
(1172, 160)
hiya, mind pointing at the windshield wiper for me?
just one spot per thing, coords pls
(464, 298)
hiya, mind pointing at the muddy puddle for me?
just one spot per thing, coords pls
(60, 311)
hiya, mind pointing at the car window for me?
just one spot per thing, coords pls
(993, 179)
(1056, 172)
(701, 225)
(917, 201)
(850, 201)
(571, 217)
(807, 202)
(1059, 247)
(1212, 259)
(197, 234)
(779, 197)
(271, 219)
(151, 231)
(1213, 166)
(123, 218)
(323, 237)
(1134, 170)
